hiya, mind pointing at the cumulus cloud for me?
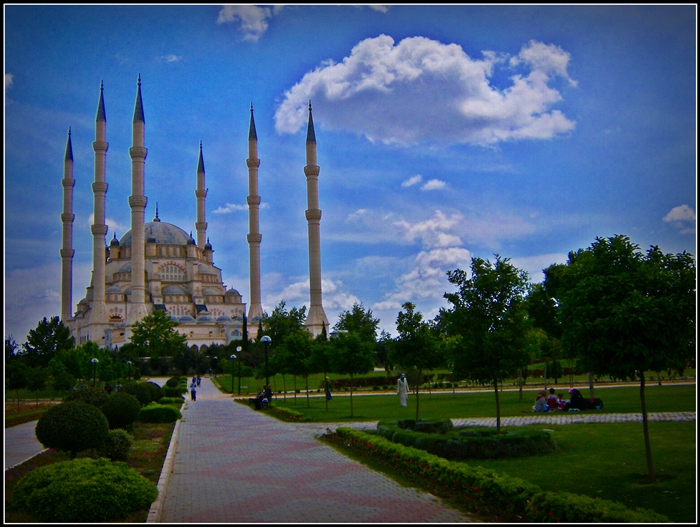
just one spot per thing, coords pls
(252, 20)
(434, 232)
(412, 181)
(171, 58)
(682, 216)
(423, 90)
(8, 80)
(434, 184)
(232, 207)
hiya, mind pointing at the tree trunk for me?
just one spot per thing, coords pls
(294, 383)
(417, 400)
(590, 383)
(520, 390)
(308, 404)
(498, 408)
(325, 380)
(647, 444)
(545, 375)
(284, 387)
(658, 377)
(351, 410)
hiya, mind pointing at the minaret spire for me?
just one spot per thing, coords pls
(316, 320)
(98, 311)
(137, 201)
(255, 312)
(201, 194)
(67, 218)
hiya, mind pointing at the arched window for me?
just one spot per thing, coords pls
(171, 273)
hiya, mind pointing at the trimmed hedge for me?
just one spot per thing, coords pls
(116, 446)
(72, 427)
(138, 390)
(457, 444)
(172, 382)
(88, 394)
(487, 491)
(83, 490)
(155, 390)
(121, 410)
(159, 413)
(172, 400)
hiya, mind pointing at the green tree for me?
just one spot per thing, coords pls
(36, 381)
(488, 314)
(358, 320)
(351, 356)
(320, 359)
(625, 312)
(156, 336)
(11, 349)
(296, 350)
(60, 378)
(44, 342)
(16, 377)
(416, 346)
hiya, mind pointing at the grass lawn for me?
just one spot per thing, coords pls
(608, 461)
(443, 405)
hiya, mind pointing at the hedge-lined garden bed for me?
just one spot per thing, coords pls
(442, 439)
(486, 492)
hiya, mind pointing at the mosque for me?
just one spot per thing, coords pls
(158, 266)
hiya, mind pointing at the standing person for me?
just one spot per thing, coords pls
(402, 390)
(108, 389)
(193, 390)
(118, 386)
(199, 380)
(328, 390)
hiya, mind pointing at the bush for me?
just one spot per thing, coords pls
(88, 394)
(155, 390)
(159, 413)
(83, 490)
(172, 382)
(121, 410)
(173, 392)
(139, 391)
(72, 427)
(116, 446)
(172, 400)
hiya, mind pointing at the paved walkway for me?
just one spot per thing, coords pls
(230, 464)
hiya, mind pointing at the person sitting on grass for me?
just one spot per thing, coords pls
(552, 401)
(540, 402)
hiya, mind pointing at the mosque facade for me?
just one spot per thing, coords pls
(158, 266)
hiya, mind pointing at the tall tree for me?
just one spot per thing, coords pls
(156, 336)
(416, 347)
(320, 359)
(488, 314)
(294, 354)
(36, 381)
(625, 312)
(358, 320)
(351, 356)
(44, 342)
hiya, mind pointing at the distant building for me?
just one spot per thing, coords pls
(158, 266)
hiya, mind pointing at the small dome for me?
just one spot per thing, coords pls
(174, 290)
(114, 242)
(210, 291)
(232, 292)
(113, 289)
(223, 318)
(205, 318)
(186, 318)
(174, 318)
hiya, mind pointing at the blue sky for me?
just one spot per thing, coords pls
(444, 132)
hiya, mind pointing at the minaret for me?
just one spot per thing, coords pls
(98, 313)
(254, 236)
(201, 193)
(316, 318)
(137, 202)
(67, 218)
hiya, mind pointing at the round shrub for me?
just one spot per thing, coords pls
(121, 410)
(172, 400)
(172, 382)
(172, 392)
(88, 394)
(155, 390)
(138, 390)
(72, 427)
(116, 446)
(83, 490)
(159, 413)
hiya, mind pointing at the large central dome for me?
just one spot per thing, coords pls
(161, 233)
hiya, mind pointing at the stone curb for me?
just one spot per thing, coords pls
(156, 509)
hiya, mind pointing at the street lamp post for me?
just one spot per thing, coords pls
(214, 359)
(94, 372)
(239, 349)
(266, 340)
(128, 375)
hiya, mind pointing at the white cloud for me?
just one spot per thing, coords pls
(680, 213)
(253, 20)
(424, 90)
(434, 184)
(171, 58)
(433, 232)
(232, 207)
(9, 80)
(412, 181)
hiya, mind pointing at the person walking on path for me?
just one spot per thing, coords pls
(402, 390)
(193, 390)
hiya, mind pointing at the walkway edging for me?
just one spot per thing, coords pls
(156, 509)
